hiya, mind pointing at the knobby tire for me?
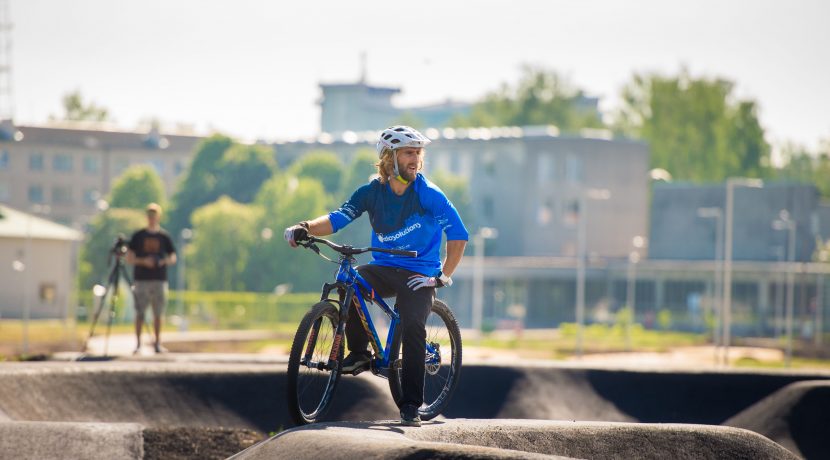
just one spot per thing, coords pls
(439, 382)
(310, 390)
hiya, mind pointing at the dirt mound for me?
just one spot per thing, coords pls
(181, 443)
(796, 416)
(517, 439)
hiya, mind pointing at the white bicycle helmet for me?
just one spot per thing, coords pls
(396, 137)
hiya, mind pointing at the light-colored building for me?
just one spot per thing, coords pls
(61, 172)
(37, 265)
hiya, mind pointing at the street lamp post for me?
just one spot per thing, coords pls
(593, 194)
(717, 214)
(817, 339)
(731, 183)
(484, 233)
(186, 234)
(786, 223)
(630, 291)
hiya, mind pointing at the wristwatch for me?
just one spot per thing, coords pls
(446, 280)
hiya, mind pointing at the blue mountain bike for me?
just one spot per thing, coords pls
(314, 365)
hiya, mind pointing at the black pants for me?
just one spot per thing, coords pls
(414, 307)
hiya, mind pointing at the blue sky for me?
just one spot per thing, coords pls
(252, 68)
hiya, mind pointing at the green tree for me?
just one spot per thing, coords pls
(359, 172)
(76, 109)
(223, 235)
(137, 186)
(105, 228)
(801, 165)
(285, 200)
(695, 127)
(199, 185)
(322, 165)
(244, 169)
(541, 97)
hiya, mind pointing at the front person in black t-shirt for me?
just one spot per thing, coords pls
(150, 251)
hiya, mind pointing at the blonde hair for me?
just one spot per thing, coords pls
(386, 165)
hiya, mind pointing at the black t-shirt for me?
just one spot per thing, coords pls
(155, 244)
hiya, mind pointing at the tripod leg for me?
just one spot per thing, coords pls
(107, 289)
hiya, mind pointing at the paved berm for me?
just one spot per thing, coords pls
(177, 406)
(462, 439)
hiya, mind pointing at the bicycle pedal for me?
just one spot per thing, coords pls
(359, 370)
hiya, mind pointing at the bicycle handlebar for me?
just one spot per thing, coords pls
(347, 250)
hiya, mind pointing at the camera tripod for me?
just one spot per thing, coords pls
(116, 273)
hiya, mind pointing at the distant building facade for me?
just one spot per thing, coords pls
(63, 172)
(678, 232)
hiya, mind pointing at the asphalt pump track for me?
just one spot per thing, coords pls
(183, 409)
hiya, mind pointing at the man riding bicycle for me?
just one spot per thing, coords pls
(407, 212)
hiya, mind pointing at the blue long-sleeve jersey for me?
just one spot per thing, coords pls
(410, 222)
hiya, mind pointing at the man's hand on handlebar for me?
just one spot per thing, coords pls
(296, 234)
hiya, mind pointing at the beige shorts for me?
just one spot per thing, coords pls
(150, 292)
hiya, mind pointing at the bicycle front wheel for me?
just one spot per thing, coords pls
(442, 361)
(312, 375)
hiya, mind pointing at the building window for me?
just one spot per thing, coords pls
(5, 192)
(46, 292)
(62, 194)
(91, 165)
(91, 196)
(35, 194)
(545, 212)
(489, 165)
(488, 207)
(178, 168)
(62, 162)
(573, 169)
(546, 168)
(121, 164)
(36, 161)
(4, 160)
(158, 165)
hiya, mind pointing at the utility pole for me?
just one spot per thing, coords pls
(6, 102)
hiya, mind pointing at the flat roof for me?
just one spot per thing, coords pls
(18, 224)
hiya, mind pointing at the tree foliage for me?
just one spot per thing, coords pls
(541, 97)
(199, 185)
(223, 235)
(695, 127)
(322, 165)
(76, 109)
(803, 166)
(243, 170)
(285, 200)
(136, 187)
(105, 228)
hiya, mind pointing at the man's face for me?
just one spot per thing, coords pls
(409, 160)
(152, 218)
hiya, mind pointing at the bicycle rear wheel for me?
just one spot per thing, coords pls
(443, 361)
(312, 377)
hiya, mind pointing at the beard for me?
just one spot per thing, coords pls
(408, 175)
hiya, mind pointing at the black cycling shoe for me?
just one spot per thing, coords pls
(410, 416)
(356, 363)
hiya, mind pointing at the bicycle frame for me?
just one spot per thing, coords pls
(350, 286)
